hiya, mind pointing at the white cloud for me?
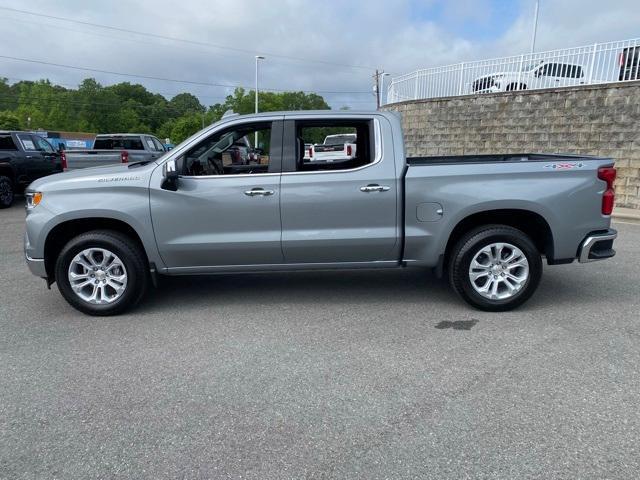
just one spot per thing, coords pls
(372, 33)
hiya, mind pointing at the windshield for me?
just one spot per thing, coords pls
(531, 67)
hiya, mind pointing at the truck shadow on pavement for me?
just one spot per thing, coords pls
(310, 288)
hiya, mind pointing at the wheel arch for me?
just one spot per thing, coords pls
(7, 170)
(60, 235)
(529, 222)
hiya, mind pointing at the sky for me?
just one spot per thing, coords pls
(331, 47)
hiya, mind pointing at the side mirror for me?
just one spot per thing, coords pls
(170, 174)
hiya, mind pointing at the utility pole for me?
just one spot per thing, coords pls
(258, 57)
(535, 26)
(376, 77)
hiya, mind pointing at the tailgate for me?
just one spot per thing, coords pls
(92, 158)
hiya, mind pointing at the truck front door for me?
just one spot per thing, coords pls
(224, 213)
(342, 210)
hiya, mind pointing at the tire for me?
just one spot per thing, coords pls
(516, 279)
(515, 86)
(6, 192)
(126, 257)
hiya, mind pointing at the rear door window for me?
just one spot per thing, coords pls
(27, 142)
(333, 145)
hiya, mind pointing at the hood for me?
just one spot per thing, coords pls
(108, 174)
(497, 74)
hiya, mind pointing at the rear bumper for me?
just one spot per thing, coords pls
(597, 246)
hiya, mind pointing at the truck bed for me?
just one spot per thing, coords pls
(562, 189)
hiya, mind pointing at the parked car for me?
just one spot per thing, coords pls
(538, 75)
(629, 61)
(337, 147)
(24, 157)
(308, 152)
(104, 234)
(116, 148)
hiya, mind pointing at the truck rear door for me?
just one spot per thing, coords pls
(339, 210)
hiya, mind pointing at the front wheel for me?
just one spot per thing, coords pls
(102, 273)
(6, 192)
(495, 268)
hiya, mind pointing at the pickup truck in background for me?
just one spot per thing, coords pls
(24, 157)
(116, 148)
(486, 222)
(335, 148)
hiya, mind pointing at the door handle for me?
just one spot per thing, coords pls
(254, 192)
(375, 188)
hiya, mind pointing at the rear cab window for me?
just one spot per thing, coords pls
(118, 143)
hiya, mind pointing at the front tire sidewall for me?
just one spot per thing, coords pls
(5, 182)
(136, 280)
(461, 263)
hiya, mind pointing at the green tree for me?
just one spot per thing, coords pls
(127, 107)
(185, 126)
(9, 121)
(184, 104)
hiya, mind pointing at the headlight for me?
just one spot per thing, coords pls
(33, 199)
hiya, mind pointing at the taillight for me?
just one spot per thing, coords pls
(63, 160)
(310, 152)
(348, 150)
(608, 174)
(124, 156)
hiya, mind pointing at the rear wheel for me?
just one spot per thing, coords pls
(102, 273)
(6, 192)
(495, 268)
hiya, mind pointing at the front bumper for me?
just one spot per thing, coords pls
(36, 266)
(597, 246)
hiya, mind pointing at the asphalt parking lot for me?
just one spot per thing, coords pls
(324, 375)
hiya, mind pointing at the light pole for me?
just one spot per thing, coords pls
(384, 74)
(258, 58)
(535, 26)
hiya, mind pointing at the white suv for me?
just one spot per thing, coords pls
(539, 75)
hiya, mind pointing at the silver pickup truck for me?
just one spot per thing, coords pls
(116, 148)
(105, 234)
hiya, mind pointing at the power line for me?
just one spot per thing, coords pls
(163, 79)
(50, 99)
(184, 40)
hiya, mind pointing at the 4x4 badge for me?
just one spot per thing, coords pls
(565, 165)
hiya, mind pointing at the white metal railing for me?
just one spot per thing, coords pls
(592, 64)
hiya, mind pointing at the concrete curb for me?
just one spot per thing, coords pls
(626, 215)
